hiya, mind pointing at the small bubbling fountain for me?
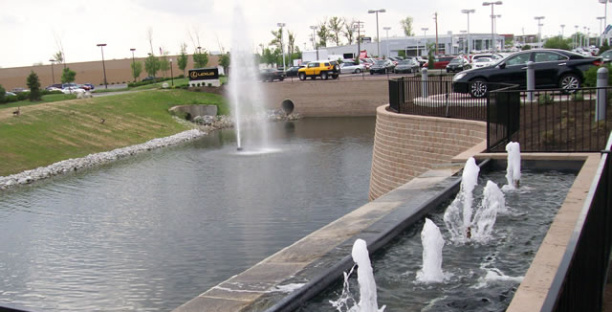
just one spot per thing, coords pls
(433, 242)
(492, 203)
(513, 171)
(367, 285)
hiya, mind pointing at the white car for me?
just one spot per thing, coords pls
(73, 90)
(351, 68)
(483, 62)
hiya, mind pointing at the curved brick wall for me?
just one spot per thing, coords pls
(406, 146)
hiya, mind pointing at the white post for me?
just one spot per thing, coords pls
(530, 80)
(602, 83)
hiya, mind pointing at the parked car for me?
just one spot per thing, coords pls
(292, 71)
(367, 62)
(323, 69)
(87, 86)
(55, 86)
(351, 68)
(19, 90)
(553, 69)
(8, 93)
(483, 62)
(407, 66)
(606, 56)
(271, 74)
(73, 90)
(382, 67)
(440, 62)
(458, 64)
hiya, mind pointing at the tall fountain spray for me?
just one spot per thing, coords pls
(365, 276)
(245, 90)
(513, 171)
(458, 215)
(433, 242)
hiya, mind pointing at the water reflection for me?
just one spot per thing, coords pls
(151, 232)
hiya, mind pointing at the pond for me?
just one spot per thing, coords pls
(153, 231)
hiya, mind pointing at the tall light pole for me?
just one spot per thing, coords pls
(469, 43)
(377, 36)
(387, 30)
(584, 37)
(576, 44)
(133, 64)
(281, 25)
(357, 25)
(562, 28)
(605, 2)
(52, 73)
(425, 29)
(539, 19)
(314, 40)
(600, 18)
(102, 45)
(492, 4)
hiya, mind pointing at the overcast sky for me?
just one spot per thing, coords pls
(32, 31)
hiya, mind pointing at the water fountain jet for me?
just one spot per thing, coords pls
(433, 242)
(513, 171)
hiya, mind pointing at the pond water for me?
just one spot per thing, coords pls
(151, 232)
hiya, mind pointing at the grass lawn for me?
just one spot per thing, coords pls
(48, 132)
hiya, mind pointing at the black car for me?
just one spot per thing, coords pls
(407, 66)
(382, 67)
(271, 74)
(553, 69)
(458, 64)
(292, 71)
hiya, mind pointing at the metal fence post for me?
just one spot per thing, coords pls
(424, 78)
(602, 92)
(530, 80)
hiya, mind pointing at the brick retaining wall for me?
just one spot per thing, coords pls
(406, 146)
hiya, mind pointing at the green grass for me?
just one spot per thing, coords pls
(51, 132)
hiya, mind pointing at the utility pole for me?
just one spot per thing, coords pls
(436, 19)
(357, 25)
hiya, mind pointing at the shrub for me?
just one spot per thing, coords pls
(545, 99)
(590, 76)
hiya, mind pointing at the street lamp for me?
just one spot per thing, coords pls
(492, 4)
(133, 64)
(605, 2)
(600, 18)
(171, 74)
(52, 73)
(468, 28)
(584, 37)
(314, 40)
(424, 29)
(377, 36)
(281, 25)
(539, 19)
(102, 45)
(562, 28)
(387, 30)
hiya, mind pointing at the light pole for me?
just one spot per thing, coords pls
(562, 28)
(584, 37)
(492, 4)
(171, 74)
(133, 64)
(539, 19)
(495, 17)
(102, 45)
(466, 11)
(281, 25)
(605, 2)
(52, 73)
(357, 25)
(377, 36)
(314, 40)
(576, 44)
(424, 29)
(600, 18)
(387, 30)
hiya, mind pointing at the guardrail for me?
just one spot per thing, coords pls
(581, 277)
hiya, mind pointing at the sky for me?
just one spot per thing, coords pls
(32, 31)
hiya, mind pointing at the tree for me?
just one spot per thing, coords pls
(323, 34)
(407, 26)
(136, 70)
(200, 59)
(431, 48)
(151, 65)
(558, 43)
(2, 92)
(349, 31)
(290, 45)
(68, 75)
(277, 40)
(224, 61)
(182, 58)
(164, 64)
(334, 26)
(604, 47)
(34, 85)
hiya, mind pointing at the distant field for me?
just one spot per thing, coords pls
(49, 132)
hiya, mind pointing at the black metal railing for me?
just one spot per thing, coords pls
(549, 120)
(581, 277)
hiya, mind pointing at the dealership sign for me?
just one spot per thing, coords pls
(204, 77)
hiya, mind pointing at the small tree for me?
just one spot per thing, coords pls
(182, 58)
(557, 43)
(34, 84)
(604, 47)
(407, 26)
(2, 93)
(151, 65)
(526, 47)
(224, 61)
(136, 70)
(164, 64)
(200, 59)
(430, 55)
(68, 75)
